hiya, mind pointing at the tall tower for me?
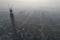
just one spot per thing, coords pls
(13, 24)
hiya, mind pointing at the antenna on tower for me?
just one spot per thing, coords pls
(11, 4)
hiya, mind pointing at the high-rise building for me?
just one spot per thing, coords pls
(13, 24)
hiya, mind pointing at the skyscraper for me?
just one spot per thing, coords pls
(13, 24)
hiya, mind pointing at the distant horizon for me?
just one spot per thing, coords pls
(34, 4)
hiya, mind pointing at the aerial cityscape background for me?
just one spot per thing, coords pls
(29, 19)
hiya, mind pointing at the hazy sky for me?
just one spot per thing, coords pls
(29, 3)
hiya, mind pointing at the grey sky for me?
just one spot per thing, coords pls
(30, 3)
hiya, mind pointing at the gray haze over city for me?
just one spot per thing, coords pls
(38, 16)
